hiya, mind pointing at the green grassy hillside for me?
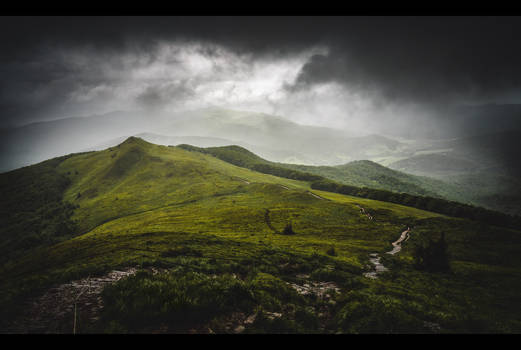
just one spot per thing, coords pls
(217, 232)
(373, 175)
(370, 180)
(361, 173)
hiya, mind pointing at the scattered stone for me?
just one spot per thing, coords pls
(435, 327)
(239, 329)
(320, 289)
(273, 315)
(53, 312)
(250, 319)
(378, 266)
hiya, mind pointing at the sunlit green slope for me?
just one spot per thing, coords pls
(137, 176)
(140, 188)
(139, 204)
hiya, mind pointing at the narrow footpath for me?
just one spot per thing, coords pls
(374, 258)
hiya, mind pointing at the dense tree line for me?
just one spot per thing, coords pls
(241, 157)
(436, 205)
(286, 173)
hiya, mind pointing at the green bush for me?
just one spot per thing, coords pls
(178, 299)
(271, 292)
(331, 251)
(436, 205)
(364, 312)
(288, 230)
(181, 251)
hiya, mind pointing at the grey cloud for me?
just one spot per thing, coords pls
(431, 61)
(157, 96)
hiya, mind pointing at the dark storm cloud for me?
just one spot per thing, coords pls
(425, 60)
(432, 61)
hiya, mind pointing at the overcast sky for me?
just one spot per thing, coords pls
(344, 72)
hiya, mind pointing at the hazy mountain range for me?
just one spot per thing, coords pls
(479, 169)
(272, 137)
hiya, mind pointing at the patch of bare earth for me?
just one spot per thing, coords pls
(320, 289)
(237, 322)
(67, 308)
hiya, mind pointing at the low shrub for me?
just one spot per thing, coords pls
(179, 299)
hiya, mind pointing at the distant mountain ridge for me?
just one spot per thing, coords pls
(372, 175)
(461, 163)
(270, 136)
